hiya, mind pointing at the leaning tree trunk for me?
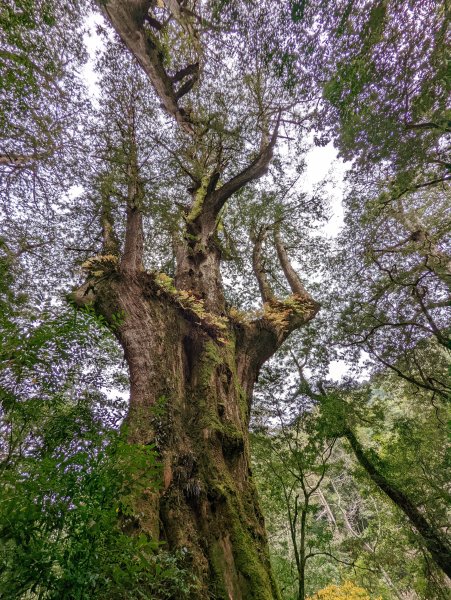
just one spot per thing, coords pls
(434, 540)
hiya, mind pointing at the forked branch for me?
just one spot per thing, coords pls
(280, 317)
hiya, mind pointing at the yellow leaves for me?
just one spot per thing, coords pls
(346, 591)
(277, 315)
(100, 264)
(276, 312)
(239, 316)
(164, 281)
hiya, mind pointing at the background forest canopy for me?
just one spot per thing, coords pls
(160, 242)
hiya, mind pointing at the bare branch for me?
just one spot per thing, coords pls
(189, 70)
(12, 159)
(296, 285)
(426, 125)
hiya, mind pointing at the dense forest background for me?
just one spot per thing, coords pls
(179, 182)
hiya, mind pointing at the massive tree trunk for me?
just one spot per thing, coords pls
(192, 373)
(192, 361)
(193, 364)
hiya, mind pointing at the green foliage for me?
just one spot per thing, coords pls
(67, 475)
(387, 90)
(17, 21)
(404, 436)
(59, 516)
(370, 75)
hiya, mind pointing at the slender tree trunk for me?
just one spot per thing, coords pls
(302, 551)
(438, 547)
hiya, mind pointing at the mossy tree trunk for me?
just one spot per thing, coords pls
(434, 539)
(192, 360)
(192, 368)
(192, 373)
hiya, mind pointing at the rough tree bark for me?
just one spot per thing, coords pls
(188, 356)
(192, 361)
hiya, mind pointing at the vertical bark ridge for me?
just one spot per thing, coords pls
(132, 258)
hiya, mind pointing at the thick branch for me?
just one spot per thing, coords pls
(280, 317)
(133, 247)
(185, 88)
(426, 125)
(255, 170)
(127, 18)
(110, 241)
(419, 186)
(132, 259)
(439, 548)
(437, 261)
(259, 268)
(296, 285)
(15, 160)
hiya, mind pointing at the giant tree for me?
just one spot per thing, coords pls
(193, 359)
